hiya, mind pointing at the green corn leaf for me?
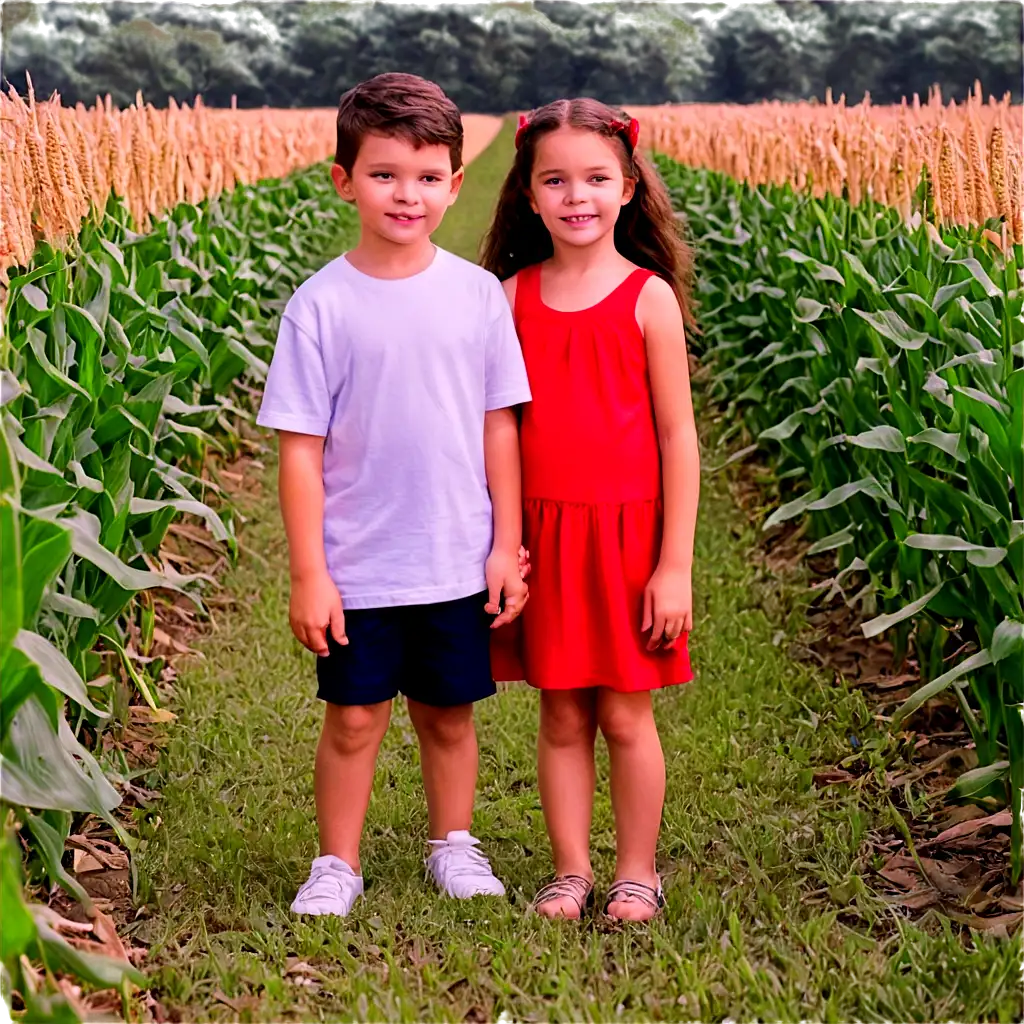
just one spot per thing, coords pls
(35, 297)
(821, 271)
(55, 669)
(979, 275)
(85, 532)
(808, 310)
(986, 357)
(29, 459)
(951, 444)
(70, 606)
(834, 540)
(19, 931)
(977, 554)
(868, 486)
(978, 780)
(50, 844)
(889, 324)
(189, 340)
(884, 438)
(869, 364)
(40, 771)
(981, 398)
(861, 271)
(1007, 640)
(787, 428)
(947, 293)
(881, 623)
(46, 547)
(936, 686)
(790, 510)
(144, 506)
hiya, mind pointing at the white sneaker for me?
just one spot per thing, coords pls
(460, 870)
(333, 888)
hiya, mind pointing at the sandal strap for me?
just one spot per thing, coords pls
(573, 887)
(625, 890)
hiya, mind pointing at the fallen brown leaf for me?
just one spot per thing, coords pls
(1003, 819)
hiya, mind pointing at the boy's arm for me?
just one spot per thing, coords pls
(501, 461)
(315, 603)
(507, 387)
(668, 604)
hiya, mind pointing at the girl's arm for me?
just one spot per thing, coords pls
(668, 603)
(315, 602)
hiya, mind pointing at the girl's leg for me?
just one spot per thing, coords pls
(565, 772)
(343, 776)
(637, 788)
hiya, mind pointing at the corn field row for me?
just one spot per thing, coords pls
(125, 366)
(879, 370)
(971, 153)
(59, 163)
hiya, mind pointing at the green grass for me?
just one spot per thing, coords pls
(461, 231)
(769, 914)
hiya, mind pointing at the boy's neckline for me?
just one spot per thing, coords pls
(385, 280)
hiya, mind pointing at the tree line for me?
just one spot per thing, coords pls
(494, 57)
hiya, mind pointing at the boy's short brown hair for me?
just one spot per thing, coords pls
(401, 105)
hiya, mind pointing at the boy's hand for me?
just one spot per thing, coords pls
(504, 574)
(668, 606)
(315, 608)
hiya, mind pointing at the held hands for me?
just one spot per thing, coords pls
(315, 609)
(668, 606)
(505, 574)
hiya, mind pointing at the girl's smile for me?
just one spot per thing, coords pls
(577, 185)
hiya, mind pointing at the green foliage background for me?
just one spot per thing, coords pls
(495, 57)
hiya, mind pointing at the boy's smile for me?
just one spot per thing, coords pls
(400, 190)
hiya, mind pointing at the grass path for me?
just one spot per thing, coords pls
(768, 915)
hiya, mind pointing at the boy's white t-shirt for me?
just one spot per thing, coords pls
(396, 375)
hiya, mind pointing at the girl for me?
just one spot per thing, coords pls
(585, 241)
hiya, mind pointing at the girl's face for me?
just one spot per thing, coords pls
(577, 185)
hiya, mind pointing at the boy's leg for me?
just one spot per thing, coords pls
(357, 683)
(449, 669)
(449, 761)
(343, 777)
(566, 777)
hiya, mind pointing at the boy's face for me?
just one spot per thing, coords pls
(401, 192)
(577, 185)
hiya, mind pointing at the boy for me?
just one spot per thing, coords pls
(393, 385)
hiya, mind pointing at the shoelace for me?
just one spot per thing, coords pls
(460, 860)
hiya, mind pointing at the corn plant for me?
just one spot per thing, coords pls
(123, 365)
(881, 369)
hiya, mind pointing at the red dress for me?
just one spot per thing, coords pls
(592, 500)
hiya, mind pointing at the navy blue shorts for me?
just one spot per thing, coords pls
(438, 654)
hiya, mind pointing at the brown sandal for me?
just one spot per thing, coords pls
(574, 887)
(625, 890)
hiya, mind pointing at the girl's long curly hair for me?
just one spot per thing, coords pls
(646, 232)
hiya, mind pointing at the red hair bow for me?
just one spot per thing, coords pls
(632, 130)
(524, 123)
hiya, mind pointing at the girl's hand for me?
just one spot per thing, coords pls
(524, 562)
(668, 606)
(504, 574)
(316, 607)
